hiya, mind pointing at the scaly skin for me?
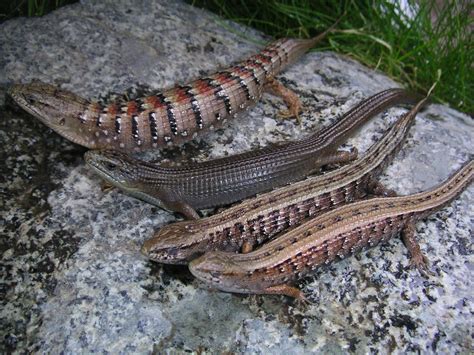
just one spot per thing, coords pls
(322, 240)
(169, 117)
(226, 180)
(255, 221)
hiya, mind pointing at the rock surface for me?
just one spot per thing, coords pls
(73, 278)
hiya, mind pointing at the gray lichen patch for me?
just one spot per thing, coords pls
(34, 244)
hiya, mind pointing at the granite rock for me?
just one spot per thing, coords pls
(73, 278)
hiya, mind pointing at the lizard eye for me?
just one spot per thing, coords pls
(110, 166)
(29, 99)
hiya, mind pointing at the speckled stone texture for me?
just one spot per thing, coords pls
(73, 278)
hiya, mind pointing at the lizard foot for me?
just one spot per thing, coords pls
(420, 262)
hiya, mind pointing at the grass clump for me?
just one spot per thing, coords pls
(30, 8)
(413, 45)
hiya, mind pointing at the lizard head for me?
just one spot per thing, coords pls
(181, 242)
(218, 270)
(60, 110)
(133, 176)
(116, 168)
(177, 243)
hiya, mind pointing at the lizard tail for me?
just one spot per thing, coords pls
(303, 45)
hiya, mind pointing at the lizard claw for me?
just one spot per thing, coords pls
(293, 111)
(420, 262)
(105, 187)
(302, 301)
(354, 153)
(389, 193)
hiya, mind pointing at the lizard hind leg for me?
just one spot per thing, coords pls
(417, 258)
(289, 97)
(337, 157)
(247, 247)
(376, 188)
(329, 161)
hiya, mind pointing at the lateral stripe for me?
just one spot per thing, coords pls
(237, 78)
(221, 93)
(118, 124)
(135, 133)
(195, 107)
(261, 65)
(250, 67)
(153, 126)
(276, 54)
(163, 100)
